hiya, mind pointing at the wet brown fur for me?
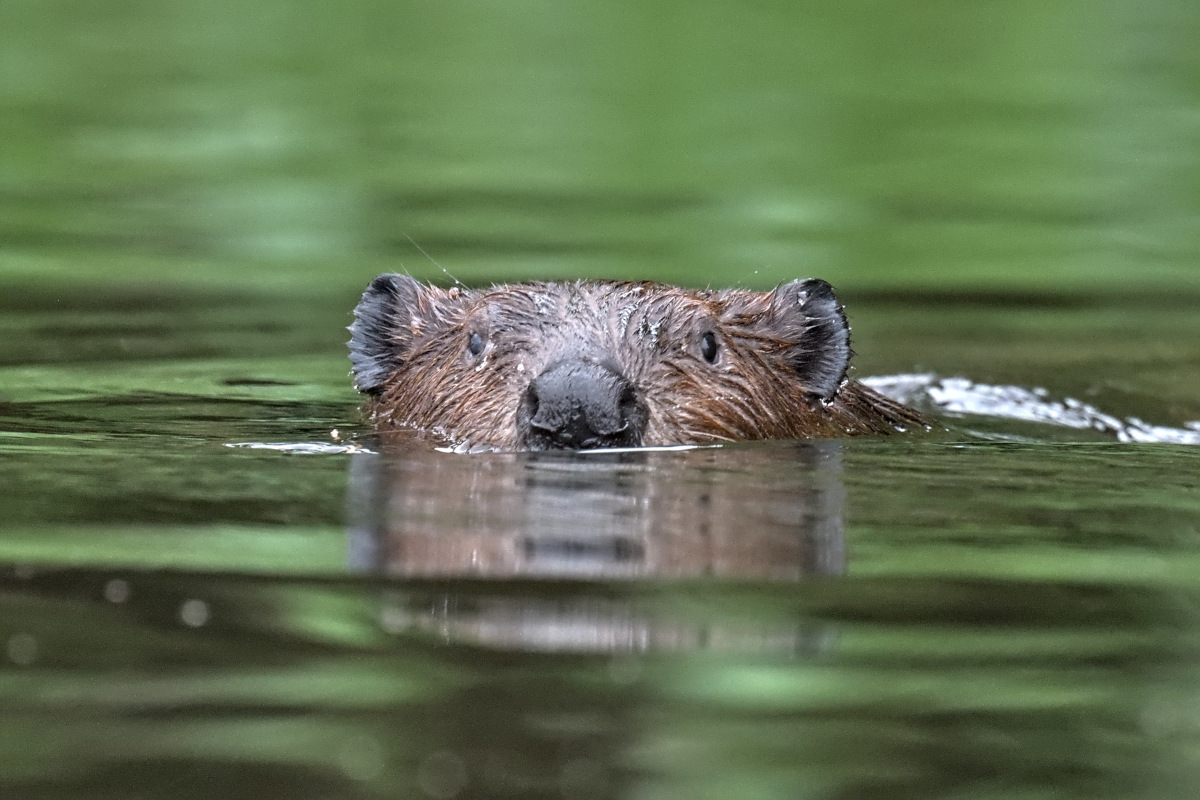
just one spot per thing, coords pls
(649, 331)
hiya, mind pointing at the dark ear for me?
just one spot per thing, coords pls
(393, 309)
(806, 314)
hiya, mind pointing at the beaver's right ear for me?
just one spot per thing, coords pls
(807, 315)
(393, 311)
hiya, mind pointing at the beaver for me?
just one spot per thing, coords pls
(611, 364)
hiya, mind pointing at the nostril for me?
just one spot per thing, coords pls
(627, 409)
(628, 399)
(531, 400)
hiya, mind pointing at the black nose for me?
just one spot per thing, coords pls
(582, 405)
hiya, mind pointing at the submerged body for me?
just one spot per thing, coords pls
(594, 364)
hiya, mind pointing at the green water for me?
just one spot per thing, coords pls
(192, 197)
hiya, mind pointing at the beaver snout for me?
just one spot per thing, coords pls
(581, 405)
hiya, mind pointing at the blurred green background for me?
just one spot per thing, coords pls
(194, 194)
(293, 147)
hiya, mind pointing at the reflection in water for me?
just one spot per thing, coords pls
(1001, 632)
(591, 528)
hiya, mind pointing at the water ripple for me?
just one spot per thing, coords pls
(962, 397)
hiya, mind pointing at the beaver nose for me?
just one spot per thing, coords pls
(582, 405)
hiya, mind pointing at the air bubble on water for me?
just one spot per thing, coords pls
(22, 649)
(194, 613)
(362, 758)
(116, 590)
(442, 775)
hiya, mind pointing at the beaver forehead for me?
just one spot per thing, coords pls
(599, 310)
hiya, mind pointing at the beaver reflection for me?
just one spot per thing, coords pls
(587, 524)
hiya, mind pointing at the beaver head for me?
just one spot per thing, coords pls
(597, 364)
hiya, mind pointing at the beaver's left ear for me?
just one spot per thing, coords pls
(395, 310)
(807, 315)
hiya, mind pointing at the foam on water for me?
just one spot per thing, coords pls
(303, 448)
(962, 397)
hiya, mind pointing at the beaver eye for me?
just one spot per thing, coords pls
(474, 344)
(708, 347)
